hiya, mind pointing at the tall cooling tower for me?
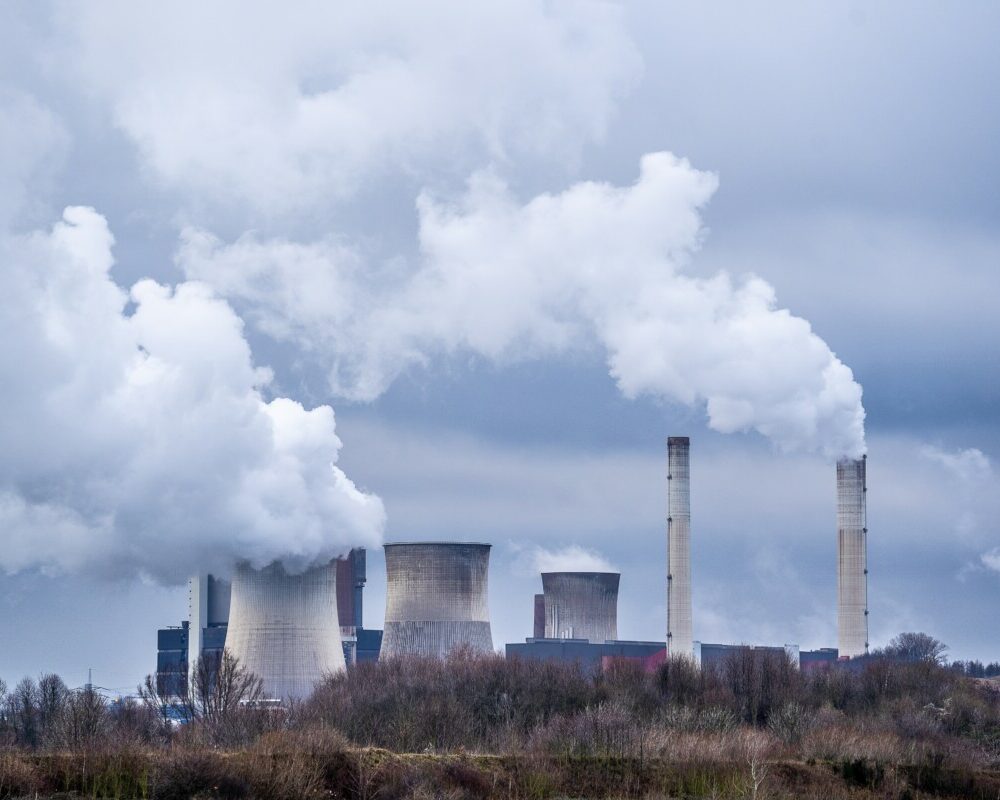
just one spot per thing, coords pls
(680, 637)
(852, 557)
(436, 599)
(581, 605)
(285, 627)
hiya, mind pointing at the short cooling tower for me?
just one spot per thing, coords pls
(436, 599)
(852, 558)
(581, 605)
(285, 627)
(680, 634)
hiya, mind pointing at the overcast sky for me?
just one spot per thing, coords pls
(275, 284)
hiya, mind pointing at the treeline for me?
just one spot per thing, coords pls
(887, 715)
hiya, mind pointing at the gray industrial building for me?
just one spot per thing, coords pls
(436, 598)
(208, 610)
(581, 605)
(591, 656)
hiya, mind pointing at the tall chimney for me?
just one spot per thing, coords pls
(680, 638)
(852, 558)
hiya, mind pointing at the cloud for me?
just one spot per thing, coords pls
(136, 437)
(281, 111)
(970, 466)
(34, 143)
(596, 265)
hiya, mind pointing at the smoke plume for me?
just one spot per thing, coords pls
(137, 438)
(596, 265)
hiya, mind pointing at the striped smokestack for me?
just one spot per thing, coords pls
(680, 637)
(852, 558)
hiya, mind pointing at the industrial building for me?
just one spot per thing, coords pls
(284, 627)
(591, 656)
(712, 655)
(436, 599)
(208, 618)
(581, 605)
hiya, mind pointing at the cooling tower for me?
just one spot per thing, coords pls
(435, 599)
(852, 558)
(680, 637)
(581, 605)
(285, 627)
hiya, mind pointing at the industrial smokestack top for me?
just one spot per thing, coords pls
(436, 598)
(680, 633)
(285, 628)
(581, 605)
(852, 557)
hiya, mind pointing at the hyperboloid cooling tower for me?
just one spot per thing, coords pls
(285, 627)
(581, 605)
(435, 599)
(852, 557)
(680, 637)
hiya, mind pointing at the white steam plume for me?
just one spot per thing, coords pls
(573, 558)
(241, 103)
(136, 439)
(594, 264)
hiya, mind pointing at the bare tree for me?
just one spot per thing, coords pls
(916, 647)
(83, 719)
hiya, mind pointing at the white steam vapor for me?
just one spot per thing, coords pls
(136, 439)
(573, 558)
(594, 264)
(281, 111)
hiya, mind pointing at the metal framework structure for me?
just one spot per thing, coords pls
(436, 599)
(680, 634)
(852, 557)
(581, 605)
(285, 627)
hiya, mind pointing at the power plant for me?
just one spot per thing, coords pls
(581, 605)
(680, 632)
(285, 627)
(852, 558)
(436, 599)
(291, 629)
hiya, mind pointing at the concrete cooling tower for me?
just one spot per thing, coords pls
(680, 635)
(581, 605)
(436, 599)
(285, 627)
(852, 557)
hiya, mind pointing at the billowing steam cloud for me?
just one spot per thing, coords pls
(136, 438)
(596, 264)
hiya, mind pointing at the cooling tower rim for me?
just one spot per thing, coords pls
(679, 440)
(582, 574)
(437, 544)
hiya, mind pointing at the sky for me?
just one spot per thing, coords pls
(277, 284)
